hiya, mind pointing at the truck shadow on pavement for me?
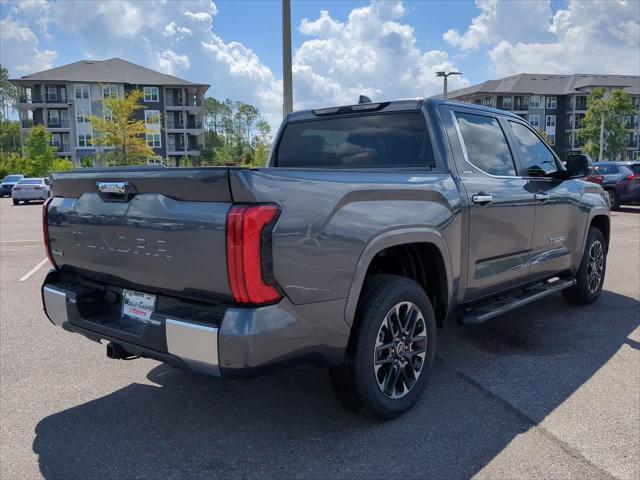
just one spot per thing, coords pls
(490, 384)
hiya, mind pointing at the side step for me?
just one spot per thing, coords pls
(485, 311)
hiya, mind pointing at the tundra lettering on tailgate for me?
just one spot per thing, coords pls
(122, 243)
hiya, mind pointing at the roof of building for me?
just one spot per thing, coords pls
(541, 84)
(114, 70)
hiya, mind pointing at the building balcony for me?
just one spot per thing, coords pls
(62, 148)
(193, 149)
(180, 125)
(62, 123)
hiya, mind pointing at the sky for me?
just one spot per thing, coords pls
(341, 48)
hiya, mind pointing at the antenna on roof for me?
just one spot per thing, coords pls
(363, 99)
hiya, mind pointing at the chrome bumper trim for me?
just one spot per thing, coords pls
(55, 305)
(195, 344)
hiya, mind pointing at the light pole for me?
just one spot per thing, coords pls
(445, 75)
(287, 88)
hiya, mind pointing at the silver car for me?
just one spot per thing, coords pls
(8, 183)
(30, 189)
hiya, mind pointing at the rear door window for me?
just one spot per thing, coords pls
(485, 144)
(392, 140)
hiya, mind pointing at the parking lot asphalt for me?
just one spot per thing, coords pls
(548, 391)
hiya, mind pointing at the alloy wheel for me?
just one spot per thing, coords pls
(400, 350)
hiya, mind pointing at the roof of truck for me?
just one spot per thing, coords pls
(393, 105)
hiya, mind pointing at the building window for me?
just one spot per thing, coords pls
(85, 140)
(152, 117)
(534, 120)
(109, 91)
(50, 93)
(488, 101)
(534, 101)
(551, 120)
(580, 103)
(151, 94)
(507, 103)
(107, 114)
(154, 140)
(53, 118)
(82, 116)
(552, 102)
(552, 138)
(81, 91)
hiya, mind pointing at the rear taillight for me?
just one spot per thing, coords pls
(38, 188)
(45, 230)
(16, 188)
(249, 253)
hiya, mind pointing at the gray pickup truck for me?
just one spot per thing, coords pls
(371, 227)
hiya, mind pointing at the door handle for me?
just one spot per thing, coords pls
(542, 197)
(482, 198)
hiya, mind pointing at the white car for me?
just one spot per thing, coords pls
(30, 189)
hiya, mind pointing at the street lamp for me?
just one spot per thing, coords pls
(445, 75)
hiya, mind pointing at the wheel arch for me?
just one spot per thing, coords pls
(421, 243)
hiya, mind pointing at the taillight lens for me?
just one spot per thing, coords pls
(16, 188)
(247, 253)
(45, 231)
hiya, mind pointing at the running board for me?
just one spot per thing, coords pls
(486, 311)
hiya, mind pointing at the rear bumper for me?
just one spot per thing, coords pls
(21, 195)
(245, 342)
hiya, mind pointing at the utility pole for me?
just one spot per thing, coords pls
(287, 76)
(601, 137)
(445, 76)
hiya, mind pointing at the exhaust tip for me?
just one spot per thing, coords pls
(116, 352)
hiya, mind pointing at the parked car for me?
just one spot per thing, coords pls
(8, 183)
(621, 182)
(29, 189)
(373, 225)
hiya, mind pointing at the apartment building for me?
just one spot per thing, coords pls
(556, 104)
(63, 98)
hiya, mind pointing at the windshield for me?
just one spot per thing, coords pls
(362, 141)
(31, 181)
(12, 178)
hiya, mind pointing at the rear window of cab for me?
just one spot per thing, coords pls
(389, 140)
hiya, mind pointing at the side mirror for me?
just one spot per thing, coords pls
(578, 166)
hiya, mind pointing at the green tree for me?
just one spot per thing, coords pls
(61, 165)
(8, 94)
(9, 136)
(13, 163)
(39, 152)
(122, 132)
(603, 116)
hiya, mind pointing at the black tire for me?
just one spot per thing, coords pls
(587, 290)
(614, 200)
(357, 382)
(16, 202)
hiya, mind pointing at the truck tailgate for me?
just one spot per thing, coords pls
(167, 233)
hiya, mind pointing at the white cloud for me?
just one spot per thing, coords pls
(203, 17)
(169, 62)
(372, 53)
(503, 21)
(590, 37)
(175, 31)
(19, 48)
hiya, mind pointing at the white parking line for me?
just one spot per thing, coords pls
(627, 239)
(623, 223)
(34, 269)
(21, 241)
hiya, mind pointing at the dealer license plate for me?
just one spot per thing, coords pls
(137, 306)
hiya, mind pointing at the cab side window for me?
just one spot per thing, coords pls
(535, 157)
(485, 144)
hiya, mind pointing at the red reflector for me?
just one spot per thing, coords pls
(245, 224)
(45, 231)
